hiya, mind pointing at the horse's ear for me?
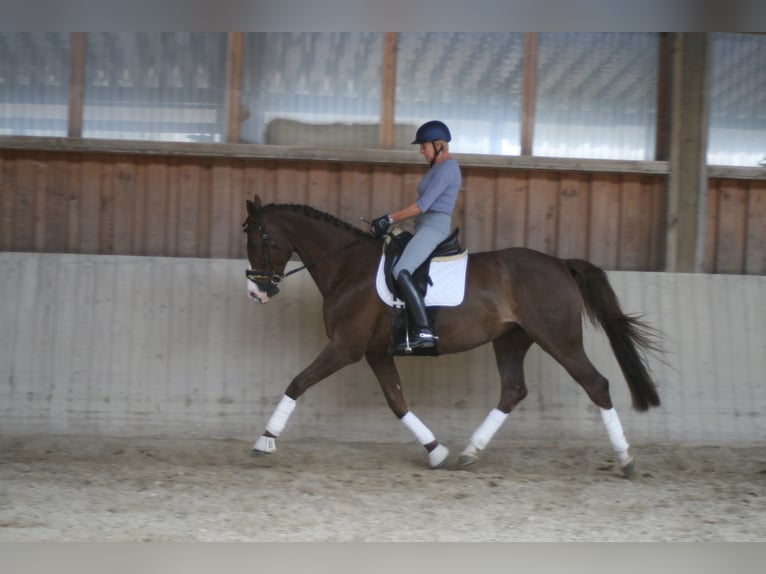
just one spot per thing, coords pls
(253, 206)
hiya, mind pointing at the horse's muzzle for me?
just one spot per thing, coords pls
(261, 292)
(259, 289)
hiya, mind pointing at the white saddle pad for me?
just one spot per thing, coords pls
(448, 277)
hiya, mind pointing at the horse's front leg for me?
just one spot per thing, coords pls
(385, 370)
(332, 358)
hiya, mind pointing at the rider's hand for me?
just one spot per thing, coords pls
(379, 226)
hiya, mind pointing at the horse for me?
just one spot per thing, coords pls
(514, 297)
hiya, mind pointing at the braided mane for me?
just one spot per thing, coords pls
(316, 214)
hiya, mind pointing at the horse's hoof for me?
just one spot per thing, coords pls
(264, 445)
(469, 456)
(437, 458)
(629, 468)
(467, 460)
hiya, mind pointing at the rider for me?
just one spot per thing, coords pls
(437, 194)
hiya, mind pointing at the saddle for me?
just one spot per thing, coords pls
(395, 244)
(447, 263)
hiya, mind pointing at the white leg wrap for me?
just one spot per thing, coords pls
(482, 435)
(416, 427)
(615, 432)
(278, 420)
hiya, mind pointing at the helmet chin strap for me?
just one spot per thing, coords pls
(436, 152)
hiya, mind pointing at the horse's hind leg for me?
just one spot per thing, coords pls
(385, 370)
(578, 365)
(510, 350)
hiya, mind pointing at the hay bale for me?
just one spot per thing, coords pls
(294, 133)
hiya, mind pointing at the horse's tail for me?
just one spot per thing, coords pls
(629, 337)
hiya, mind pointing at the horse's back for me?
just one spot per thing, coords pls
(526, 278)
(520, 262)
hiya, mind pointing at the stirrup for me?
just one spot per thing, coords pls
(420, 339)
(425, 337)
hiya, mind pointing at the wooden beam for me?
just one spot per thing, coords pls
(234, 58)
(388, 91)
(76, 84)
(687, 179)
(343, 155)
(664, 68)
(529, 92)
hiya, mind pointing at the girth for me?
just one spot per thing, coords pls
(395, 244)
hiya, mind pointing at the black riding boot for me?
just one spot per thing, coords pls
(421, 335)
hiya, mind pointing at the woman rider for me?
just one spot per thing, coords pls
(432, 210)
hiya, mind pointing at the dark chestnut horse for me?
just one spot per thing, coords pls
(514, 297)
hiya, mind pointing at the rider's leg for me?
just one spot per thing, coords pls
(431, 229)
(421, 334)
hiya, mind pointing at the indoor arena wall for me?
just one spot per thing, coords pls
(127, 345)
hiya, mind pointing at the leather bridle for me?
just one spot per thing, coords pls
(268, 278)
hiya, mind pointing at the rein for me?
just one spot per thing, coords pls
(308, 266)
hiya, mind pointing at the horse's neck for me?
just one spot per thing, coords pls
(313, 239)
(320, 241)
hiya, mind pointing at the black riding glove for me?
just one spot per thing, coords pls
(380, 225)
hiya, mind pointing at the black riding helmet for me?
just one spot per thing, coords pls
(433, 131)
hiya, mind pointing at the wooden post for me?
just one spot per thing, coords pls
(388, 91)
(529, 92)
(687, 179)
(664, 79)
(76, 84)
(234, 59)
